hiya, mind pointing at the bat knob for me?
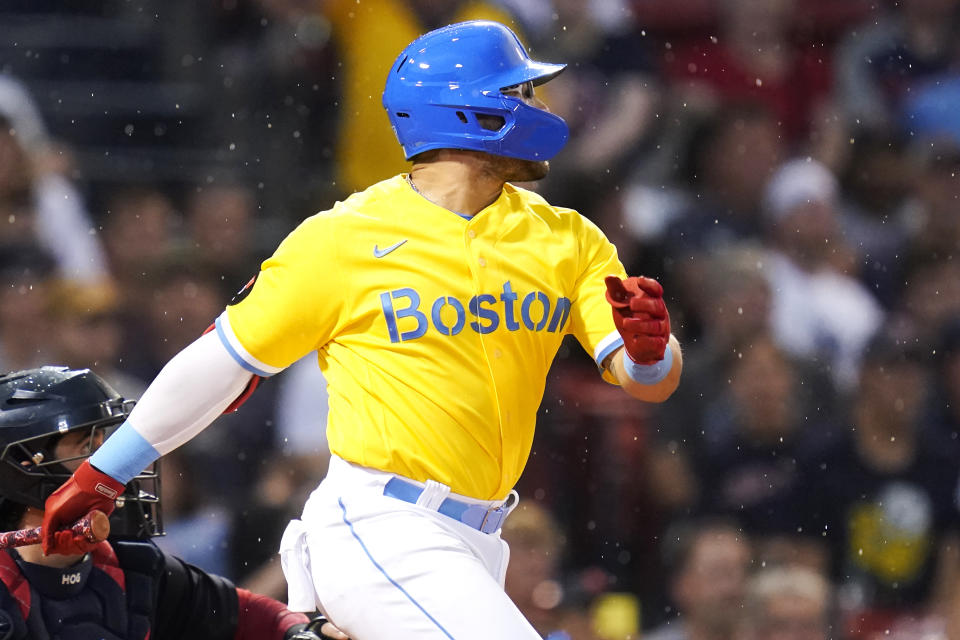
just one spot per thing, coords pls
(99, 526)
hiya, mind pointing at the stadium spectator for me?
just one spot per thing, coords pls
(710, 563)
(944, 405)
(752, 57)
(17, 205)
(731, 157)
(195, 528)
(952, 623)
(818, 310)
(729, 162)
(609, 97)
(184, 296)
(88, 331)
(930, 297)
(936, 232)
(886, 60)
(881, 499)
(747, 465)
(221, 221)
(588, 464)
(301, 416)
(140, 230)
(786, 603)
(533, 579)
(35, 184)
(257, 526)
(26, 278)
(736, 300)
(276, 81)
(879, 214)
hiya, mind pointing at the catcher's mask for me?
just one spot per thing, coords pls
(50, 406)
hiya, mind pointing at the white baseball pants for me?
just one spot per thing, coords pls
(384, 569)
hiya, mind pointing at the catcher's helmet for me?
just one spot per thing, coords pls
(444, 79)
(40, 406)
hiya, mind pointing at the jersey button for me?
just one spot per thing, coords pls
(481, 262)
(472, 233)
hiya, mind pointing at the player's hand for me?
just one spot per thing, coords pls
(641, 317)
(319, 629)
(86, 490)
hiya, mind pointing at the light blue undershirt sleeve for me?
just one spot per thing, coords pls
(124, 454)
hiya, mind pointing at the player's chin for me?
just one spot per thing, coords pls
(518, 170)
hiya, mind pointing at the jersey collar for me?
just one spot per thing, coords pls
(412, 190)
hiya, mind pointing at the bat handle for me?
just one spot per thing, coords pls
(94, 527)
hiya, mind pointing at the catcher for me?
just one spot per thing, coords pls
(51, 419)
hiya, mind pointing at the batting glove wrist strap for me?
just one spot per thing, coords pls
(649, 373)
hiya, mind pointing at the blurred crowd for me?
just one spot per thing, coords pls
(786, 169)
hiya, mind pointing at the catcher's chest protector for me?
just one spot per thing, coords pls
(93, 600)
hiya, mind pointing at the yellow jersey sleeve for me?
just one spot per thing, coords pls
(591, 316)
(295, 304)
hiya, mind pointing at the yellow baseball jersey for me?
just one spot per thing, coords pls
(434, 331)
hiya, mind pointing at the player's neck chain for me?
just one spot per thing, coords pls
(420, 193)
(413, 186)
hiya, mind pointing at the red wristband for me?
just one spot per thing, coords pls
(263, 618)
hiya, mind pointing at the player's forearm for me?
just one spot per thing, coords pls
(188, 394)
(649, 391)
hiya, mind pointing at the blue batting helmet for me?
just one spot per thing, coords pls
(446, 78)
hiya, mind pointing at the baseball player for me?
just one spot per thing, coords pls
(435, 301)
(50, 419)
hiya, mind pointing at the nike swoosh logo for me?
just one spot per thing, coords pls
(379, 253)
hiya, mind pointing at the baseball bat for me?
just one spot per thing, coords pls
(95, 527)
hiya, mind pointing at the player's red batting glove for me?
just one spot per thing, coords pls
(86, 490)
(641, 317)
